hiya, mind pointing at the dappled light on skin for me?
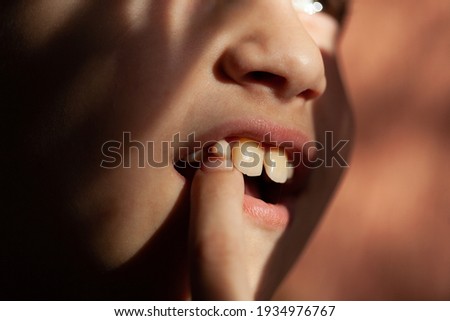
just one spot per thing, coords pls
(63, 70)
(137, 13)
(39, 32)
(150, 70)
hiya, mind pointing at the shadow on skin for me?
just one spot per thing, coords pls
(43, 246)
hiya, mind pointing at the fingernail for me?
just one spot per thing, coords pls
(218, 158)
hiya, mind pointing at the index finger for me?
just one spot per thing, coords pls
(218, 271)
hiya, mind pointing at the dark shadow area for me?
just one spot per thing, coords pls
(42, 249)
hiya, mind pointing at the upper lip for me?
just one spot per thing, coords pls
(260, 130)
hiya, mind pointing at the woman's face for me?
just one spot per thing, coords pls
(104, 99)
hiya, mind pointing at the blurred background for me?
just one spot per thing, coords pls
(386, 236)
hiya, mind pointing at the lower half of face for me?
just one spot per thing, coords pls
(108, 103)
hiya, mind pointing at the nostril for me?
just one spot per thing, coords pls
(309, 94)
(265, 78)
(276, 82)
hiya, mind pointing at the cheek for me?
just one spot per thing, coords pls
(121, 212)
(41, 20)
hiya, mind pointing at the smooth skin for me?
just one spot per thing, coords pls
(77, 74)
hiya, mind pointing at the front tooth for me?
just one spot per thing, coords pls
(221, 149)
(248, 157)
(290, 171)
(276, 165)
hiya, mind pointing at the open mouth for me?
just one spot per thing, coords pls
(274, 175)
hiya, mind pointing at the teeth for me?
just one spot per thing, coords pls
(221, 149)
(248, 157)
(290, 170)
(276, 166)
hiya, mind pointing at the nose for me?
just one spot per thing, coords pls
(275, 53)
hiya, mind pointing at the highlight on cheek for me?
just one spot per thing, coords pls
(137, 11)
(42, 19)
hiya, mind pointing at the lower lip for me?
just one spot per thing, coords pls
(271, 216)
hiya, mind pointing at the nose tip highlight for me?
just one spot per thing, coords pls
(286, 72)
(304, 74)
